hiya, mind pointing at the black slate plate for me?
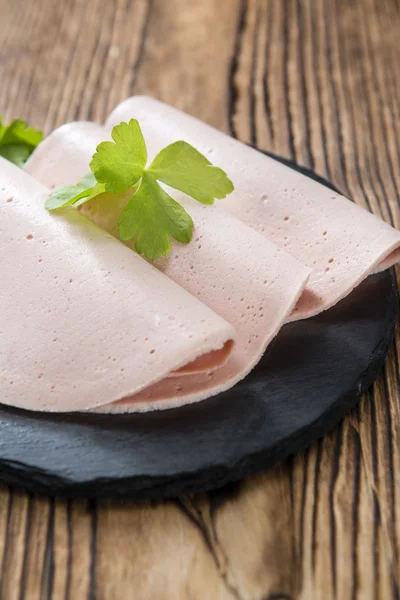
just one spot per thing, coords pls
(310, 377)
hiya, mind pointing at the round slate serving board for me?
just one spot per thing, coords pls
(309, 378)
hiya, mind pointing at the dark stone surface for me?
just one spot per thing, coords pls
(309, 378)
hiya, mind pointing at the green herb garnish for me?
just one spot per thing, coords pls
(120, 164)
(18, 141)
(151, 216)
(72, 194)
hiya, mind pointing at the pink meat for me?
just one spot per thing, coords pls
(84, 321)
(238, 273)
(341, 242)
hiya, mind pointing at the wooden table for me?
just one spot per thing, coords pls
(314, 80)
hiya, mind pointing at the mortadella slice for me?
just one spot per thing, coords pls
(341, 242)
(238, 273)
(84, 321)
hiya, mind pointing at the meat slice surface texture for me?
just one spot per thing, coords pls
(232, 269)
(341, 242)
(84, 321)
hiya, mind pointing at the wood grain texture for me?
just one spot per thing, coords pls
(316, 81)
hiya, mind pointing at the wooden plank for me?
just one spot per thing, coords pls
(316, 81)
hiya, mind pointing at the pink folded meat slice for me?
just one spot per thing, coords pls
(341, 242)
(84, 321)
(238, 273)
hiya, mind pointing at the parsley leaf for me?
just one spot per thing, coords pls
(96, 190)
(182, 167)
(15, 153)
(148, 215)
(17, 141)
(120, 164)
(153, 216)
(71, 194)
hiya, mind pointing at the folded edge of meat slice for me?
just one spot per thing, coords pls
(238, 273)
(341, 242)
(85, 321)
